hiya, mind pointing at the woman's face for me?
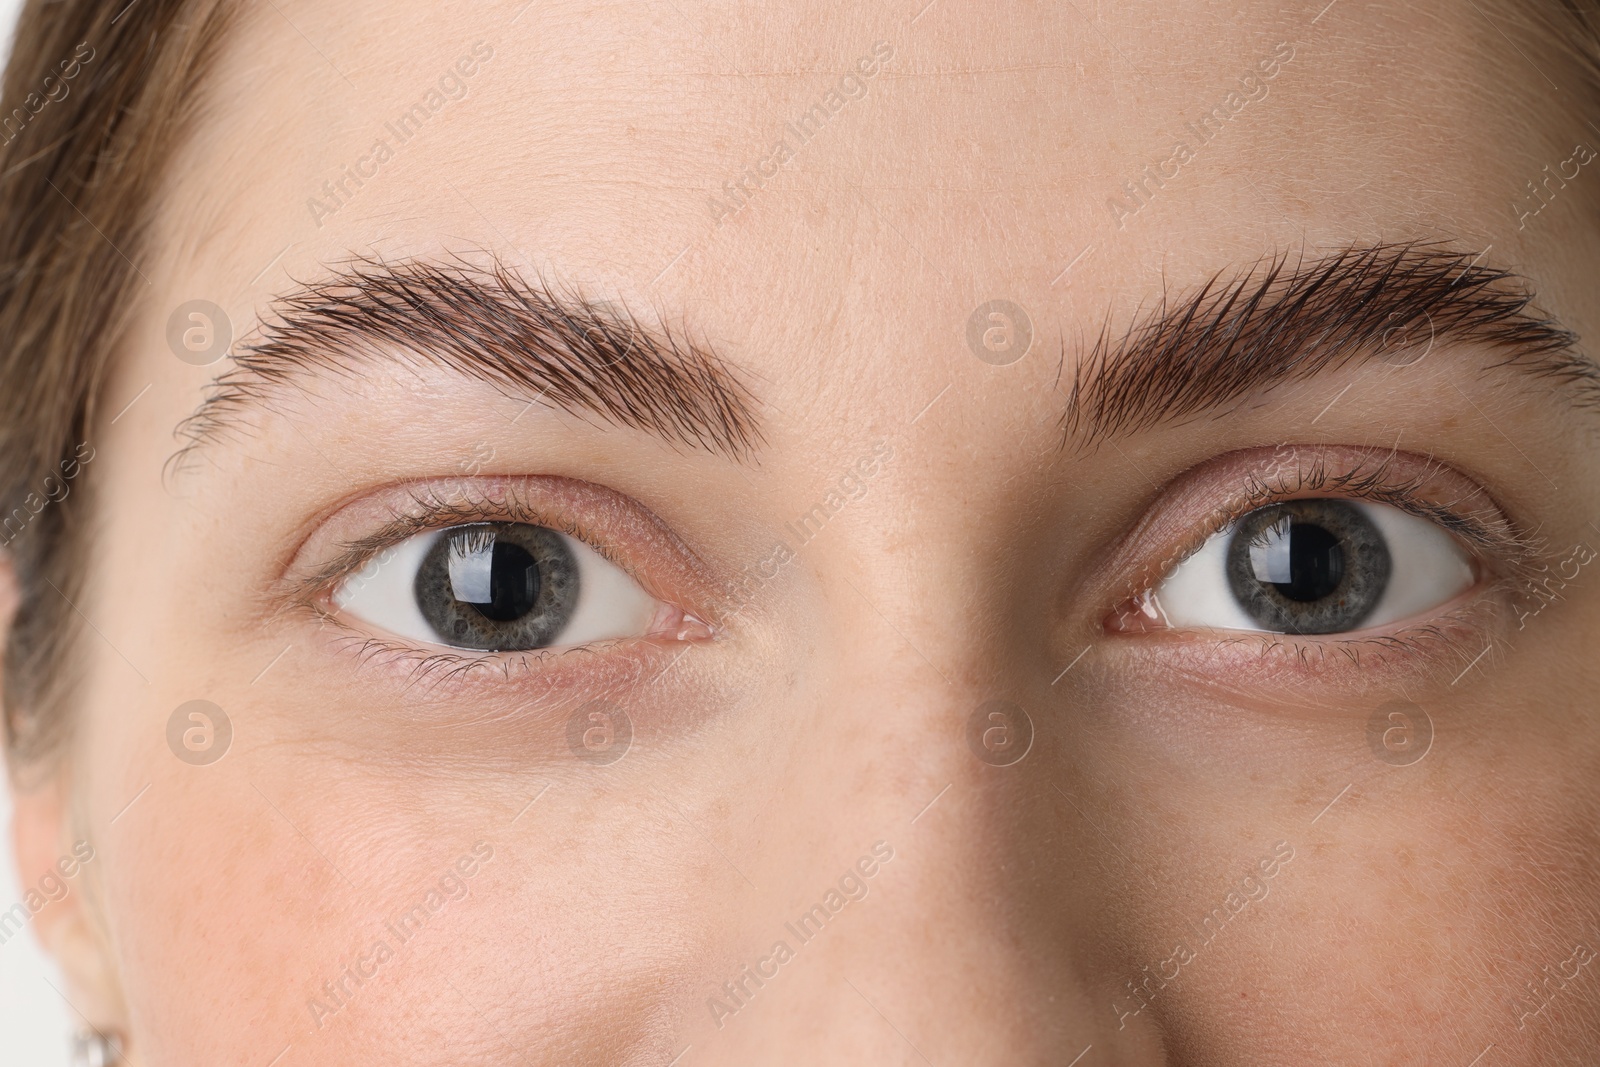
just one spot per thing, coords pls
(793, 681)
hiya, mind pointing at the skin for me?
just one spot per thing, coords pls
(830, 714)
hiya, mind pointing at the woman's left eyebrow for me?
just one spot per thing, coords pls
(1281, 321)
(490, 324)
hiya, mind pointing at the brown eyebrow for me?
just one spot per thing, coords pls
(1272, 323)
(491, 324)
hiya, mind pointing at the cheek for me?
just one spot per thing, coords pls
(1444, 897)
(300, 863)
(1452, 913)
(238, 883)
(1423, 897)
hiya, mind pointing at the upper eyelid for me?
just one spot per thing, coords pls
(619, 529)
(1496, 537)
(1369, 485)
(436, 516)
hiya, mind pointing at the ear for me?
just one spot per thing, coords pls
(54, 903)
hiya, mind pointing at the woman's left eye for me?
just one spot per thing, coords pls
(497, 587)
(1314, 566)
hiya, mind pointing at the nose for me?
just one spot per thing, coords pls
(945, 891)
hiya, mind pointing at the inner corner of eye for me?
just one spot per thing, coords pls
(1313, 566)
(493, 587)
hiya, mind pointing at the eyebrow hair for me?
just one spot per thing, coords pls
(1271, 324)
(490, 324)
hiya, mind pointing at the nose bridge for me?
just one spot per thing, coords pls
(966, 943)
(937, 871)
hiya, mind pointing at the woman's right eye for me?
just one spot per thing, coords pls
(497, 587)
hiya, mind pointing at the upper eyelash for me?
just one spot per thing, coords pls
(1495, 536)
(434, 512)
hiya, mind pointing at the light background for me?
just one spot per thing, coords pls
(34, 1021)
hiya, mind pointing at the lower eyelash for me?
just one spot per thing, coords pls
(1439, 649)
(442, 666)
(446, 665)
(1411, 640)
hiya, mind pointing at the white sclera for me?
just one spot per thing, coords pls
(1429, 569)
(382, 594)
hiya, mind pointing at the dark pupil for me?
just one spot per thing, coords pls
(513, 583)
(1308, 566)
(498, 586)
(1316, 563)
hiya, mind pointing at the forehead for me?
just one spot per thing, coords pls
(841, 184)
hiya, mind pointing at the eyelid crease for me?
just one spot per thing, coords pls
(1485, 530)
(438, 505)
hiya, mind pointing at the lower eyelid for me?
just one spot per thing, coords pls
(529, 678)
(1273, 672)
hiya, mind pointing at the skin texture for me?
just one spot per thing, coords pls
(981, 559)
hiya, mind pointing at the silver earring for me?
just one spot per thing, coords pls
(91, 1048)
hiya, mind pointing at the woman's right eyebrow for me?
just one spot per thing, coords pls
(531, 340)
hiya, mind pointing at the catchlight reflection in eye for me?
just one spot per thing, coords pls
(497, 586)
(1315, 566)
